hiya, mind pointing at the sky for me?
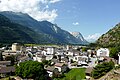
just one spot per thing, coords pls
(91, 18)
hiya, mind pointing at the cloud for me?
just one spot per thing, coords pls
(76, 23)
(54, 1)
(37, 9)
(49, 1)
(93, 37)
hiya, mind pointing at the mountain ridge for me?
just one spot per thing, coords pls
(12, 32)
(79, 36)
(52, 31)
(110, 38)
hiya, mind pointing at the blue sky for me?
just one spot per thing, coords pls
(93, 16)
(90, 17)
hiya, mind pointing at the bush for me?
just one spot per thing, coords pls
(31, 69)
(102, 69)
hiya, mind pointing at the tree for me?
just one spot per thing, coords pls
(114, 52)
(64, 68)
(31, 69)
(84, 49)
(102, 69)
(46, 62)
(93, 45)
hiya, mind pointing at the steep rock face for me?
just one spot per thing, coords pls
(51, 32)
(111, 38)
(79, 36)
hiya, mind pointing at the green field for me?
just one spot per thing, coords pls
(74, 74)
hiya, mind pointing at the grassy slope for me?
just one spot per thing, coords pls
(75, 74)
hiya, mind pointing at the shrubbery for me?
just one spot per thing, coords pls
(102, 69)
(31, 69)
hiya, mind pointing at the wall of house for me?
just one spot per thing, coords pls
(50, 50)
(103, 52)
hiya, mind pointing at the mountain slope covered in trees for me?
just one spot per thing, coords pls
(12, 32)
(111, 38)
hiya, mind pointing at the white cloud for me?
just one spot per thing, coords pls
(37, 9)
(93, 37)
(76, 23)
(54, 1)
(49, 1)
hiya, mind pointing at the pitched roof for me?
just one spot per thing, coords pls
(5, 62)
(50, 68)
(89, 70)
(59, 64)
(7, 69)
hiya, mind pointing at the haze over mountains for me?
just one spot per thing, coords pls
(46, 31)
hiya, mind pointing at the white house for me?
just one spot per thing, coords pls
(70, 53)
(39, 58)
(50, 70)
(25, 58)
(119, 58)
(102, 52)
(61, 66)
(50, 50)
(16, 47)
(44, 52)
(67, 47)
(49, 57)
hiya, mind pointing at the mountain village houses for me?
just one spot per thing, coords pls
(61, 57)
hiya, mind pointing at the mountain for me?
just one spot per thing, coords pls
(12, 32)
(51, 32)
(111, 38)
(79, 36)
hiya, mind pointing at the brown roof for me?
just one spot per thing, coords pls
(50, 68)
(5, 62)
(59, 64)
(7, 69)
(107, 59)
(74, 64)
(89, 70)
(24, 58)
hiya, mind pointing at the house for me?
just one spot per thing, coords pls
(119, 58)
(108, 59)
(82, 61)
(5, 63)
(50, 50)
(6, 71)
(80, 58)
(54, 61)
(65, 60)
(24, 58)
(91, 53)
(72, 65)
(61, 67)
(39, 57)
(88, 72)
(16, 47)
(70, 52)
(49, 70)
(44, 52)
(60, 52)
(49, 57)
(9, 52)
(102, 52)
(68, 47)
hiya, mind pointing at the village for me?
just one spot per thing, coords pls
(61, 58)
